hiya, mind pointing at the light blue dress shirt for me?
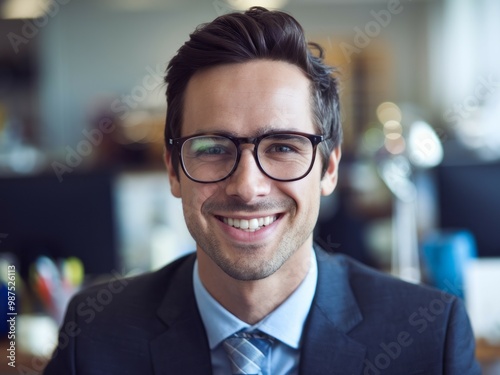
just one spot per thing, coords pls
(285, 324)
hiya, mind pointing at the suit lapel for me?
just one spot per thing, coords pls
(327, 347)
(183, 347)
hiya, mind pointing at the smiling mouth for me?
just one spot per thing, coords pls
(249, 225)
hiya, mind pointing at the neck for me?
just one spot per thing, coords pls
(253, 300)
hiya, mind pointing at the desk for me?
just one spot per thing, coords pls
(486, 352)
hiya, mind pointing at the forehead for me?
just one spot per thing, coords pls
(247, 97)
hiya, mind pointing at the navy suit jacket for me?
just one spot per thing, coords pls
(361, 322)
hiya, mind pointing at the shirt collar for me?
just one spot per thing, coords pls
(285, 323)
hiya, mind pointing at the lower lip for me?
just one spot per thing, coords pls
(243, 236)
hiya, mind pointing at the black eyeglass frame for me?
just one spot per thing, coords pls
(315, 140)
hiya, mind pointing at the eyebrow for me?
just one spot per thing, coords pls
(264, 130)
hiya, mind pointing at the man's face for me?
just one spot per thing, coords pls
(246, 100)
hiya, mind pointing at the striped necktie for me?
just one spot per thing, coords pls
(247, 352)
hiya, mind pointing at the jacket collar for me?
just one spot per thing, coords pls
(183, 347)
(327, 347)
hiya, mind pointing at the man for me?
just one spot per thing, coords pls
(253, 136)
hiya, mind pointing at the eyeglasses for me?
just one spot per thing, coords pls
(282, 156)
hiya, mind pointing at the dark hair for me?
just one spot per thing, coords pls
(256, 34)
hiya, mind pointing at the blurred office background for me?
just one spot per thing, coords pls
(84, 195)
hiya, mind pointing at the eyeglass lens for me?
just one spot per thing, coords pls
(281, 156)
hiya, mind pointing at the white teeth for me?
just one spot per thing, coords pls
(253, 223)
(244, 224)
(250, 225)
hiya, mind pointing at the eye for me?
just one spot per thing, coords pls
(208, 148)
(281, 148)
(286, 144)
(211, 150)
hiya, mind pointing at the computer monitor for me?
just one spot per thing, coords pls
(469, 198)
(41, 216)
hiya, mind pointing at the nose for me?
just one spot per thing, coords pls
(248, 182)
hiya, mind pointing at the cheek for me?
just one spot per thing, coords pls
(306, 195)
(192, 202)
(310, 196)
(195, 195)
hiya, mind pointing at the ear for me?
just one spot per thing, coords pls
(175, 185)
(329, 180)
